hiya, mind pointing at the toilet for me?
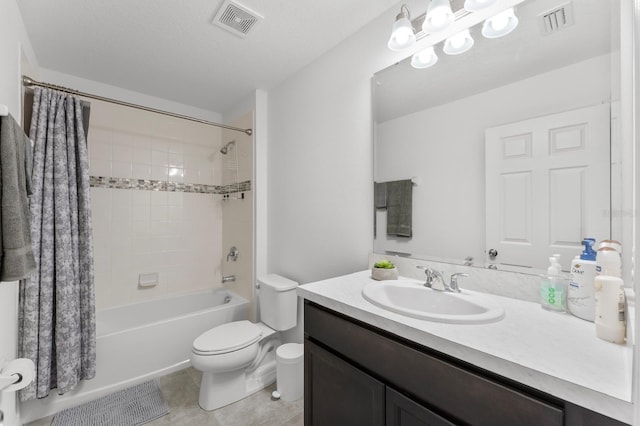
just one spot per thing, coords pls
(238, 358)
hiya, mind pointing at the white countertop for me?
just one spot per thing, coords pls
(556, 353)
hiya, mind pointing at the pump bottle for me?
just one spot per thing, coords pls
(580, 300)
(553, 289)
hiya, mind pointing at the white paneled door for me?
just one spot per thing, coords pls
(547, 187)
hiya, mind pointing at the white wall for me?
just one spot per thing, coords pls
(421, 144)
(15, 43)
(320, 160)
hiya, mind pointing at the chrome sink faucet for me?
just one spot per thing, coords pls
(453, 285)
(436, 281)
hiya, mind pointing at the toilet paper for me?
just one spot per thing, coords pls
(21, 369)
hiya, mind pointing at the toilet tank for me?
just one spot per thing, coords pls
(278, 302)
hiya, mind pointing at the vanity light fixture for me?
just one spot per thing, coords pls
(425, 58)
(458, 43)
(402, 35)
(476, 5)
(439, 16)
(500, 25)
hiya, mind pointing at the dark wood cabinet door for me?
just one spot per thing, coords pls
(402, 411)
(336, 393)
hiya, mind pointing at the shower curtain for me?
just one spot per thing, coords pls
(57, 303)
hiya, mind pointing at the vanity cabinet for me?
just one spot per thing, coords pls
(356, 374)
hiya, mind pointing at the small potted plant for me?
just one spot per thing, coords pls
(384, 270)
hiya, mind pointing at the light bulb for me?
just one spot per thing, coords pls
(458, 43)
(499, 22)
(424, 58)
(500, 25)
(439, 19)
(402, 35)
(439, 16)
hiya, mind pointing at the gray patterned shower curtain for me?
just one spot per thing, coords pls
(57, 302)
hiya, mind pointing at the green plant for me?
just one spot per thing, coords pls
(384, 264)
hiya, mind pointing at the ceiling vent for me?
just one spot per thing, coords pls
(556, 19)
(236, 18)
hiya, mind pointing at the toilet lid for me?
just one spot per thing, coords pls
(227, 337)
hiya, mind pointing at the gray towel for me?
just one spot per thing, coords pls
(380, 194)
(16, 255)
(379, 202)
(399, 208)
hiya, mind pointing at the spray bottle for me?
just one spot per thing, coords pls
(580, 300)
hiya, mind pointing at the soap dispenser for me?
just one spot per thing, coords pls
(580, 300)
(554, 287)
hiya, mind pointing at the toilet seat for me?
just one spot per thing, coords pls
(227, 338)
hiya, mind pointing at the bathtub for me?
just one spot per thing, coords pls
(140, 341)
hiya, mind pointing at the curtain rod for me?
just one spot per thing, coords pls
(29, 82)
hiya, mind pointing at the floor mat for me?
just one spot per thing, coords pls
(129, 407)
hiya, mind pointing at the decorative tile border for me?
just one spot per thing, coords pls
(158, 185)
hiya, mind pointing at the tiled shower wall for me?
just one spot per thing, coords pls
(174, 233)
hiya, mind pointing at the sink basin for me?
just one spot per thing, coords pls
(413, 299)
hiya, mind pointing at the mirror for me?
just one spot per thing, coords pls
(430, 123)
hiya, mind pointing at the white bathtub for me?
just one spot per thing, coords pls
(140, 341)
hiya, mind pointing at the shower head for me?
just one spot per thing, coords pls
(225, 148)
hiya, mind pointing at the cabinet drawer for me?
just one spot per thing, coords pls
(461, 394)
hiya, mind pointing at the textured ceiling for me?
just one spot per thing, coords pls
(170, 49)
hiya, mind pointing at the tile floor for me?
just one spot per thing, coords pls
(181, 389)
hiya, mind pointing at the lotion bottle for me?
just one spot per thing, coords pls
(608, 261)
(610, 309)
(580, 300)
